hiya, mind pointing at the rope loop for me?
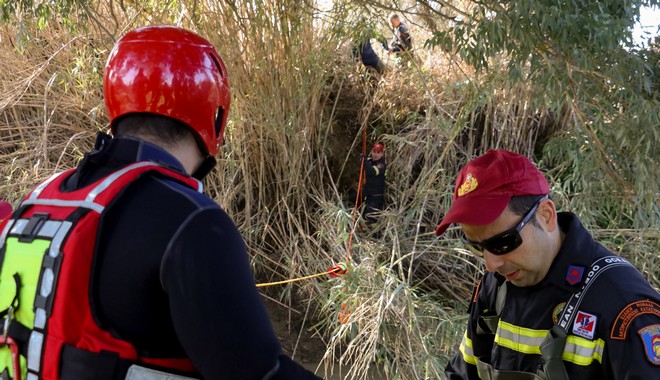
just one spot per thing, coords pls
(338, 270)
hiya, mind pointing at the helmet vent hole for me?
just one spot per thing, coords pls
(217, 65)
(218, 121)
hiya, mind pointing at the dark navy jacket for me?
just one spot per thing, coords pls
(365, 52)
(616, 334)
(375, 173)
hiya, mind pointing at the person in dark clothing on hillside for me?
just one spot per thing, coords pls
(364, 52)
(373, 190)
(402, 41)
(140, 275)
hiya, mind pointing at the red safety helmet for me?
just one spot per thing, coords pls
(172, 72)
(378, 147)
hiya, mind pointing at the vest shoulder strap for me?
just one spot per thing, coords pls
(552, 348)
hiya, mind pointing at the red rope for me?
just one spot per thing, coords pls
(358, 197)
(341, 268)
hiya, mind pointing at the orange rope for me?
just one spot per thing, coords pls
(334, 271)
(358, 197)
(344, 315)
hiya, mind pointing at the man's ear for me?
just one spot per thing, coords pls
(546, 215)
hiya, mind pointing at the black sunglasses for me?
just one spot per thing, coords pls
(504, 242)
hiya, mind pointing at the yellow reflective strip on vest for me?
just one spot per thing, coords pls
(520, 339)
(466, 350)
(583, 351)
(528, 341)
(376, 169)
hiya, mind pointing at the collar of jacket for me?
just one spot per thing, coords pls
(577, 250)
(111, 154)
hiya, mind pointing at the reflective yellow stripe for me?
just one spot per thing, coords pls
(583, 351)
(376, 170)
(466, 350)
(519, 339)
(527, 341)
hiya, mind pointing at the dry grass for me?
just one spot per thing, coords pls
(299, 107)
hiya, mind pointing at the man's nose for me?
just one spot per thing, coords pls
(493, 262)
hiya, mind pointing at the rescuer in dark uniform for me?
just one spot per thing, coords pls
(139, 275)
(364, 52)
(554, 304)
(375, 170)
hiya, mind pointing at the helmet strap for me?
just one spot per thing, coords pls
(205, 168)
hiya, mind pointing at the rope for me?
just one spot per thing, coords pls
(344, 315)
(341, 268)
(335, 271)
(358, 197)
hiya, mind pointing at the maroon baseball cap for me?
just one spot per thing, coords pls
(486, 184)
(5, 210)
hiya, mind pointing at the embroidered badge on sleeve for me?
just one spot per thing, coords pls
(628, 314)
(585, 325)
(651, 338)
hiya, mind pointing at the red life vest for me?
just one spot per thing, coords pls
(53, 289)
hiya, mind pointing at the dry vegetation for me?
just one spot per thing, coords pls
(300, 105)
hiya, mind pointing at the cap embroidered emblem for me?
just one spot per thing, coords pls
(468, 185)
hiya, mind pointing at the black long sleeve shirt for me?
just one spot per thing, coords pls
(171, 273)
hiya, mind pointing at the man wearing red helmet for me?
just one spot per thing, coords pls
(374, 189)
(554, 304)
(133, 273)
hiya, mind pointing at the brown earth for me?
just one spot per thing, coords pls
(301, 344)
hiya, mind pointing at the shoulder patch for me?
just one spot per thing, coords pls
(651, 338)
(585, 325)
(629, 313)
